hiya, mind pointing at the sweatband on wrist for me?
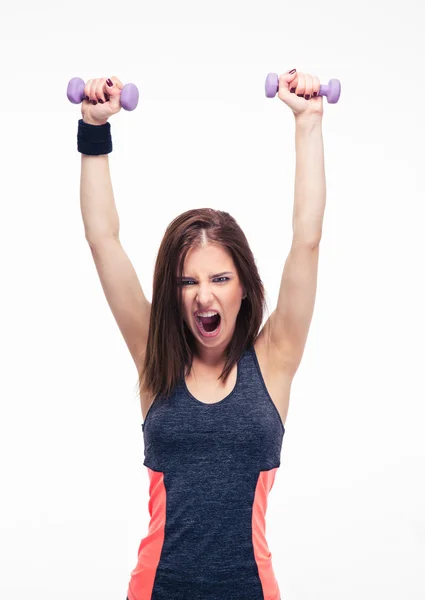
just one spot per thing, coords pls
(94, 139)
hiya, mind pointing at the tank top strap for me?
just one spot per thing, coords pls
(253, 390)
(250, 378)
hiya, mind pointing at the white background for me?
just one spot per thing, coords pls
(346, 515)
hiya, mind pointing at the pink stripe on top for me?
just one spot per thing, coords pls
(261, 550)
(143, 576)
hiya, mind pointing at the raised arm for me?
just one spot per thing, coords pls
(290, 322)
(98, 209)
(118, 278)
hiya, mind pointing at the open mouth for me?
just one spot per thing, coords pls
(209, 326)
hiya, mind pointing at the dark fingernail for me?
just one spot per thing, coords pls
(94, 102)
(100, 101)
(87, 98)
(307, 97)
(106, 97)
(109, 82)
(293, 90)
(315, 94)
(292, 72)
(300, 95)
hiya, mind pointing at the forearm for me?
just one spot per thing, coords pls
(98, 208)
(310, 183)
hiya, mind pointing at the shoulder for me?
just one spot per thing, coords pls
(269, 360)
(268, 355)
(276, 376)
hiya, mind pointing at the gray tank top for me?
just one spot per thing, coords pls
(211, 467)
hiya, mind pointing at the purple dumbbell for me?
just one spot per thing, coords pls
(332, 91)
(129, 97)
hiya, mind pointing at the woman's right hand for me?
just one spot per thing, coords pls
(103, 100)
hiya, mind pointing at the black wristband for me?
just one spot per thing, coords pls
(94, 139)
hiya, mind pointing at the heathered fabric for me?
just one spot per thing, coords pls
(211, 467)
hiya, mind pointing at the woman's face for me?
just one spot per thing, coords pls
(210, 283)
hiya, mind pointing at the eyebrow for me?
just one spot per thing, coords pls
(216, 275)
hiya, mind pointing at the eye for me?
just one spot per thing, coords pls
(187, 281)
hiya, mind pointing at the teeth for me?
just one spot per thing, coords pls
(207, 314)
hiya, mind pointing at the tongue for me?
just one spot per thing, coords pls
(210, 323)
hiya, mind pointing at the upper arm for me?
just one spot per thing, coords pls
(124, 294)
(290, 322)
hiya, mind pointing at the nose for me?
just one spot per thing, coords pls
(204, 294)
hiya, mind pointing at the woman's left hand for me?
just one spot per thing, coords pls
(301, 100)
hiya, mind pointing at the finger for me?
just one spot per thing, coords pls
(308, 91)
(316, 86)
(113, 91)
(100, 90)
(286, 81)
(294, 84)
(92, 94)
(87, 90)
(301, 85)
(117, 82)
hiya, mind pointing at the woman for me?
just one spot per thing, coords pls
(214, 390)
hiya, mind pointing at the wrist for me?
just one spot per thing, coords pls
(90, 121)
(94, 138)
(309, 118)
(309, 121)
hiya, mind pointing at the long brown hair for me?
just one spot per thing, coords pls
(171, 344)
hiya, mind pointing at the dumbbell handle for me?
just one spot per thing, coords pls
(129, 96)
(332, 90)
